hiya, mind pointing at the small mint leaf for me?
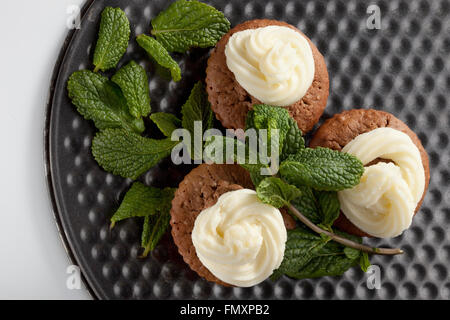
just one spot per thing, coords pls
(157, 52)
(364, 262)
(196, 109)
(166, 122)
(187, 24)
(133, 81)
(112, 40)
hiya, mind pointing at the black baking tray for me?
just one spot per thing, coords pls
(402, 68)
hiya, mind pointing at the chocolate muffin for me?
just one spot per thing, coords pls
(231, 102)
(199, 190)
(339, 130)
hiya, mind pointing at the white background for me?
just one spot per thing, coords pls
(32, 258)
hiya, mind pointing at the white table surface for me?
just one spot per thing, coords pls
(33, 261)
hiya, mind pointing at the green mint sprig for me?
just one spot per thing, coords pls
(305, 250)
(133, 81)
(157, 52)
(187, 24)
(113, 38)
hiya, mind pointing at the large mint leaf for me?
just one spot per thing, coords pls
(141, 201)
(308, 255)
(128, 154)
(186, 24)
(157, 52)
(100, 100)
(197, 109)
(322, 169)
(301, 247)
(112, 40)
(133, 81)
(166, 122)
(277, 193)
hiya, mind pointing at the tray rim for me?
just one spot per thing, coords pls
(47, 153)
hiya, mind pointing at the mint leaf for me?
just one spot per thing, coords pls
(275, 192)
(329, 207)
(197, 108)
(321, 207)
(351, 253)
(364, 261)
(186, 24)
(128, 154)
(294, 140)
(155, 226)
(100, 100)
(141, 201)
(166, 122)
(322, 169)
(308, 255)
(157, 52)
(301, 247)
(307, 204)
(268, 117)
(133, 81)
(112, 40)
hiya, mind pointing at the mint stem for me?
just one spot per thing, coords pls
(342, 240)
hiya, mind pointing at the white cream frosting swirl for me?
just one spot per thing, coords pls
(274, 64)
(383, 203)
(240, 239)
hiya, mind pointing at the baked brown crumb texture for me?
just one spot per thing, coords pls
(339, 130)
(199, 190)
(231, 102)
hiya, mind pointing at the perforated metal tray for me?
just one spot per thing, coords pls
(402, 68)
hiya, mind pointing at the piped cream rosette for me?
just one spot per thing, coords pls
(240, 239)
(274, 64)
(383, 203)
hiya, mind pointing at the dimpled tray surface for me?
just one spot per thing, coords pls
(402, 68)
